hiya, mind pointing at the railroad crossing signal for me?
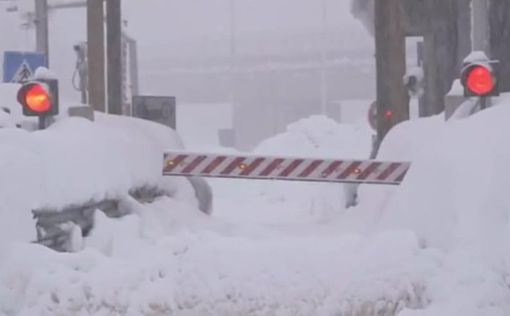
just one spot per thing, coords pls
(284, 168)
(373, 113)
(39, 98)
(480, 79)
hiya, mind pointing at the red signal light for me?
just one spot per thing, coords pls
(37, 99)
(388, 114)
(480, 80)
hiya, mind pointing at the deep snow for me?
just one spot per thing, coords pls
(76, 161)
(437, 245)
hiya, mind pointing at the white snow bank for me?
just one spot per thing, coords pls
(316, 136)
(454, 198)
(435, 246)
(454, 192)
(74, 161)
(319, 136)
(216, 274)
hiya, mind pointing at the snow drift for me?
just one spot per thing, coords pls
(435, 246)
(313, 137)
(75, 161)
(453, 200)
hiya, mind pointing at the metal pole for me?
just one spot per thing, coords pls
(323, 80)
(233, 50)
(41, 28)
(484, 103)
(420, 50)
(81, 71)
(43, 122)
(95, 55)
(114, 55)
(480, 26)
(133, 65)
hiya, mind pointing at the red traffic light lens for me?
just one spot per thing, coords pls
(388, 114)
(480, 81)
(37, 99)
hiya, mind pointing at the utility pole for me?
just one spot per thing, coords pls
(41, 28)
(114, 55)
(392, 96)
(95, 48)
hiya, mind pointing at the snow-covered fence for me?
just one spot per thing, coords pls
(59, 229)
(63, 174)
(63, 230)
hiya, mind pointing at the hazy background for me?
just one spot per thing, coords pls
(184, 50)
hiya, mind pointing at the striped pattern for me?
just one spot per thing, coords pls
(281, 168)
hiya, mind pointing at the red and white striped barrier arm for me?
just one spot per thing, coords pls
(284, 168)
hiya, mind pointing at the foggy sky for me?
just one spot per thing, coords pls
(163, 27)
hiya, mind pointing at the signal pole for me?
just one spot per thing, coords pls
(114, 55)
(480, 26)
(41, 28)
(392, 96)
(95, 48)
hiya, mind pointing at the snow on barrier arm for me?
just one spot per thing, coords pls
(283, 168)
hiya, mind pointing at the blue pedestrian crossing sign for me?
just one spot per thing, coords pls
(19, 67)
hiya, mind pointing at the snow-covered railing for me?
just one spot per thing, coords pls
(59, 229)
(63, 174)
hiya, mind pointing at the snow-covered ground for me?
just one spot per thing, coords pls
(435, 246)
(76, 161)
